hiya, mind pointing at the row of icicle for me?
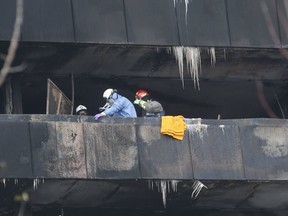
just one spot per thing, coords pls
(36, 182)
(193, 61)
(191, 54)
(167, 186)
(163, 186)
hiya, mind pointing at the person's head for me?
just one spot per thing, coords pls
(81, 110)
(142, 95)
(108, 93)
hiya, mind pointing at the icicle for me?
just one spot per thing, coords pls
(212, 54)
(222, 128)
(36, 183)
(157, 185)
(197, 187)
(186, 9)
(150, 185)
(16, 181)
(193, 61)
(174, 184)
(4, 182)
(169, 50)
(199, 129)
(168, 187)
(164, 187)
(178, 53)
(164, 192)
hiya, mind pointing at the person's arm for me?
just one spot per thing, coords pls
(116, 107)
(140, 103)
(99, 115)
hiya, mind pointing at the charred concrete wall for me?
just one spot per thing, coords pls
(245, 23)
(47, 146)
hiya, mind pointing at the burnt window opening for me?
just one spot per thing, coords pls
(228, 89)
(229, 100)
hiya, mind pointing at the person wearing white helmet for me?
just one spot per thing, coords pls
(81, 110)
(118, 105)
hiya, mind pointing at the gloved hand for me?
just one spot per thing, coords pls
(141, 103)
(137, 101)
(97, 116)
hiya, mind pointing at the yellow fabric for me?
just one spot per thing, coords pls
(173, 126)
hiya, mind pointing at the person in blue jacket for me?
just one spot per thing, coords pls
(116, 105)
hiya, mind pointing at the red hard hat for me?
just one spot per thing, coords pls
(140, 94)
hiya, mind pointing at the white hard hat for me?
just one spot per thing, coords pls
(107, 93)
(80, 107)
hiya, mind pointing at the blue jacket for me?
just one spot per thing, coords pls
(121, 107)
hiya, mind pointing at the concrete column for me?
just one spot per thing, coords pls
(13, 96)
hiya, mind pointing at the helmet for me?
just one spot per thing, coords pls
(80, 107)
(140, 94)
(107, 93)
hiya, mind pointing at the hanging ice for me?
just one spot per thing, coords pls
(169, 50)
(178, 53)
(164, 192)
(4, 182)
(62, 212)
(174, 184)
(211, 52)
(193, 61)
(222, 128)
(150, 185)
(164, 187)
(197, 187)
(36, 182)
(192, 55)
(198, 129)
(186, 7)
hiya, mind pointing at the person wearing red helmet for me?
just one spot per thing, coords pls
(150, 108)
